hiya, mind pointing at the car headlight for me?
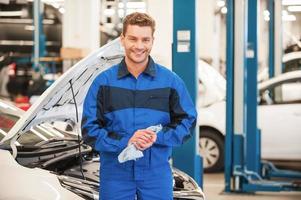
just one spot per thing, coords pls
(185, 187)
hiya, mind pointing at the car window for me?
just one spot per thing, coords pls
(7, 121)
(283, 93)
(292, 65)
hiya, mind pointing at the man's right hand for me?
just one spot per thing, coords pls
(143, 139)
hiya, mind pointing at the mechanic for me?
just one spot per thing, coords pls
(122, 102)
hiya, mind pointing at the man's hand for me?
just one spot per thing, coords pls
(143, 139)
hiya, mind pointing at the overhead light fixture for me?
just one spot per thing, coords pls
(11, 13)
(221, 3)
(291, 2)
(266, 13)
(224, 10)
(52, 1)
(266, 18)
(109, 12)
(288, 18)
(62, 10)
(133, 5)
(284, 12)
(294, 8)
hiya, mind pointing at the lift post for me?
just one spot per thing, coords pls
(244, 170)
(39, 37)
(184, 63)
(275, 38)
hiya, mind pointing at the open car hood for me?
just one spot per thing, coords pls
(58, 101)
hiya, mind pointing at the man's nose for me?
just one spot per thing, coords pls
(139, 44)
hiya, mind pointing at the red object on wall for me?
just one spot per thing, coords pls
(22, 102)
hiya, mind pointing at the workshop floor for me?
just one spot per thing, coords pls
(214, 186)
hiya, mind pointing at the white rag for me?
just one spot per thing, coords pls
(131, 152)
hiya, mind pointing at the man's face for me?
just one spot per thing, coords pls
(137, 42)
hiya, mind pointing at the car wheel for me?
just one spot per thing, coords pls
(211, 147)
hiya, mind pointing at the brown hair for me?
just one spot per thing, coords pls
(140, 19)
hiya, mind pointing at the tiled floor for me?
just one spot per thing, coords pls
(214, 185)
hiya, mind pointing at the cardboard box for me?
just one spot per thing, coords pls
(73, 53)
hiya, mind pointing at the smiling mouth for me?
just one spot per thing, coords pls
(139, 53)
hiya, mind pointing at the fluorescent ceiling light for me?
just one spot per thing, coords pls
(294, 8)
(109, 12)
(11, 13)
(133, 5)
(291, 2)
(266, 13)
(224, 10)
(62, 10)
(221, 3)
(284, 12)
(53, 1)
(266, 18)
(288, 18)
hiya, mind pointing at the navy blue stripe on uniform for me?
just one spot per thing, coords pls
(110, 99)
(177, 113)
(88, 140)
(116, 98)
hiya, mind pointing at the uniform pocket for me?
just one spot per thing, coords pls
(158, 102)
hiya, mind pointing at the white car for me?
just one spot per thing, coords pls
(63, 168)
(292, 61)
(279, 117)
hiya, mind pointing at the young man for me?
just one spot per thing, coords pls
(126, 99)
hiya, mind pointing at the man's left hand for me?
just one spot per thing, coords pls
(145, 140)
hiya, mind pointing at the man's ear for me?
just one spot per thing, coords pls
(122, 39)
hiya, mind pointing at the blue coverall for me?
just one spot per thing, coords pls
(117, 105)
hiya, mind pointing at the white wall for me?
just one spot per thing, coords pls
(81, 24)
(292, 31)
(205, 14)
(211, 44)
(161, 11)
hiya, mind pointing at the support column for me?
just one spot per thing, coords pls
(39, 37)
(229, 95)
(275, 38)
(236, 91)
(252, 144)
(185, 62)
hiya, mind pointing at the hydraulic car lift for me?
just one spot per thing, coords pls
(244, 170)
(39, 37)
(184, 62)
(275, 37)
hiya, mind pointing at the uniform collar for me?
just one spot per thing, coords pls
(150, 68)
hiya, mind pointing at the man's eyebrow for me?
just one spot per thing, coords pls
(131, 36)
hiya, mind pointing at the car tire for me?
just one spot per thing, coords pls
(211, 148)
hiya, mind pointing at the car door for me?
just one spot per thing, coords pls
(279, 118)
